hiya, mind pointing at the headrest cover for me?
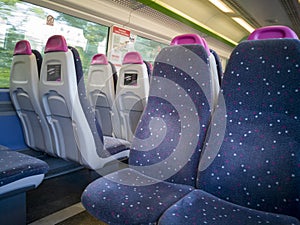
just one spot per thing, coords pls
(272, 32)
(186, 39)
(56, 43)
(133, 58)
(99, 59)
(22, 48)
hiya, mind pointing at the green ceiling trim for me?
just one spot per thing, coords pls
(154, 5)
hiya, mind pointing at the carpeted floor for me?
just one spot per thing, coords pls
(57, 193)
(62, 188)
(83, 218)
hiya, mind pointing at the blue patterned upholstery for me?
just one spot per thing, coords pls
(129, 197)
(167, 144)
(15, 166)
(199, 207)
(114, 145)
(257, 165)
(18, 174)
(173, 126)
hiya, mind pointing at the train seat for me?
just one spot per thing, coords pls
(218, 65)
(149, 68)
(167, 144)
(253, 178)
(101, 91)
(131, 96)
(18, 174)
(77, 133)
(215, 73)
(212, 56)
(24, 79)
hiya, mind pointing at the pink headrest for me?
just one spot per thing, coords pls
(56, 43)
(22, 48)
(99, 59)
(190, 39)
(133, 58)
(272, 32)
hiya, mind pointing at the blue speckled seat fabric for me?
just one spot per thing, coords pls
(255, 172)
(167, 144)
(15, 166)
(199, 207)
(129, 197)
(169, 138)
(114, 145)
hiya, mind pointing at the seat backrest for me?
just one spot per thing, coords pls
(255, 163)
(101, 91)
(195, 38)
(215, 74)
(218, 65)
(149, 68)
(169, 138)
(77, 133)
(24, 79)
(132, 94)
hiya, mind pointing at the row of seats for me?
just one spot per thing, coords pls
(240, 166)
(46, 119)
(53, 107)
(118, 103)
(119, 114)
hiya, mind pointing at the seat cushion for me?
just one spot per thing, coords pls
(15, 166)
(199, 207)
(114, 145)
(128, 197)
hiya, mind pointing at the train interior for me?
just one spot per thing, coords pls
(149, 112)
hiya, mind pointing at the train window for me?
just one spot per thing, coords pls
(148, 48)
(20, 20)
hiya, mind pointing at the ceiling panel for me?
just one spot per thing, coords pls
(208, 15)
(269, 12)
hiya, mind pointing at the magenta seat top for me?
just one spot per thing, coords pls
(272, 32)
(22, 48)
(132, 58)
(99, 59)
(185, 39)
(56, 43)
